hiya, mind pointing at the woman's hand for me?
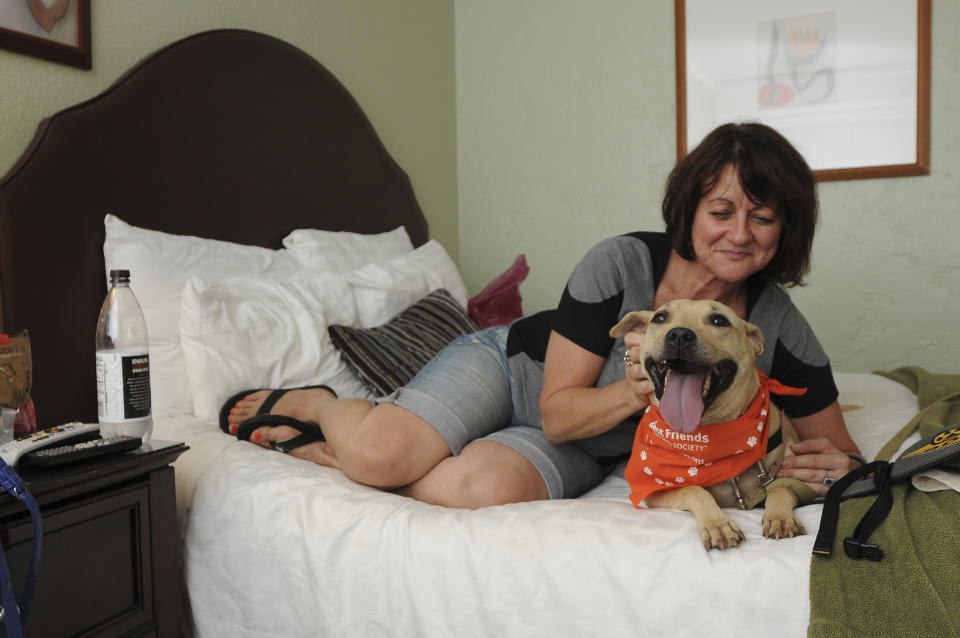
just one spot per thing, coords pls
(822, 452)
(636, 375)
(818, 463)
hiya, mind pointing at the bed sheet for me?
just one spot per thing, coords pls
(277, 546)
(205, 442)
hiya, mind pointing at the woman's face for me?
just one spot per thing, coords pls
(732, 236)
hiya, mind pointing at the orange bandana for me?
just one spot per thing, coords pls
(663, 458)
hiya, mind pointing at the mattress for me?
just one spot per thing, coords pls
(277, 546)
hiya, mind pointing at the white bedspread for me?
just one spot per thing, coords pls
(275, 546)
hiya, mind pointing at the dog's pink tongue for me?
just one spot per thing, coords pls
(682, 403)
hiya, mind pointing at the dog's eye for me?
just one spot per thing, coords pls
(719, 321)
(660, 317)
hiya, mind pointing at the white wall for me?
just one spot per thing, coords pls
(396, 58)
(566, 132)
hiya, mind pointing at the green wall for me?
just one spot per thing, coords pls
(566, 133)
(395, 57)
(542, 126)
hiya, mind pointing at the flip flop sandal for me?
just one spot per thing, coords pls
(309, 432)
(267, 405)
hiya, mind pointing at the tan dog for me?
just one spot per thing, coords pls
(700, 356)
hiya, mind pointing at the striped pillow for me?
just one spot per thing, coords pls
(386, 357)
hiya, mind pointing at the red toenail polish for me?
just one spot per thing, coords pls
(256, 437)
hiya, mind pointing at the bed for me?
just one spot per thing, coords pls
(255, 206)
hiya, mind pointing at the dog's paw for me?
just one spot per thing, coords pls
(721, 533)
(778, 527)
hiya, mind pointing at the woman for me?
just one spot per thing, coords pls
(546, 407)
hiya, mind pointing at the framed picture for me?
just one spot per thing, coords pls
(846, 81)
(57, 30)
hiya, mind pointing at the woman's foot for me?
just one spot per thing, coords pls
(301, 404)
(318, 451)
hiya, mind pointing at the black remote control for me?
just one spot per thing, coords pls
(62, 454)
(13, 451)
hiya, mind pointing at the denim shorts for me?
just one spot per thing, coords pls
(466, 394)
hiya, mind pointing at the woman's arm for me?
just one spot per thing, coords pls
(822, 450)
(571, 407)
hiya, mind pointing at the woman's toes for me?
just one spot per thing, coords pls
(244, 409)
(266, 435)
(238, 415)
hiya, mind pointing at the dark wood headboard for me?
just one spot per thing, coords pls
(227, 134)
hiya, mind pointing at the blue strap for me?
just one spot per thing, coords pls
(16, 615)
(11, 612)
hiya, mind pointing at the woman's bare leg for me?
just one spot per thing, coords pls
(484, 473)
(389, 447)
(384, 446)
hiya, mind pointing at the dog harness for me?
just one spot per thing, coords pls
(663, 458)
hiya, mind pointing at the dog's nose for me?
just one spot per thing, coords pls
(681, 338)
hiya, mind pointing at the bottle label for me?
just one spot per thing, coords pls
(123, 385)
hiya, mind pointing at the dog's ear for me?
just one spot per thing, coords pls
(632, 321)
(755, 336)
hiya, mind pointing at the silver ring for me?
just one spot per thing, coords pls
(626, 358)
(828, 481)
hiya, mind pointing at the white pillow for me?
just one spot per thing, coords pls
(271, 332)
(159, 265)
(343, 251)
(385, 288)
(264, 332)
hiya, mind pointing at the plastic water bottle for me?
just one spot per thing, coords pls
(123, 363)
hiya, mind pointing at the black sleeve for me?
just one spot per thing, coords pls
(583, 322)
(616, 275)
(818, 380)
(530, 335)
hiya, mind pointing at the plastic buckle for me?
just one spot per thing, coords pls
(857, 550)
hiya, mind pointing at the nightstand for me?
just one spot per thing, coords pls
(110, 564)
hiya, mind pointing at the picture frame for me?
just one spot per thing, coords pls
(846, 81)
(55, 30)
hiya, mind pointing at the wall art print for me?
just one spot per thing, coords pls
(846, 81)
(55, 30)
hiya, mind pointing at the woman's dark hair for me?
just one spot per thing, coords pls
(772, 173)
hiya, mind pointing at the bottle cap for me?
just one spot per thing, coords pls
(119, 275)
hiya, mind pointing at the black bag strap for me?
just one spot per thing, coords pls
(939, 449)
(855, 546)
(15, 615)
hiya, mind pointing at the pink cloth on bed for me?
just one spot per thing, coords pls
(499, 303)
